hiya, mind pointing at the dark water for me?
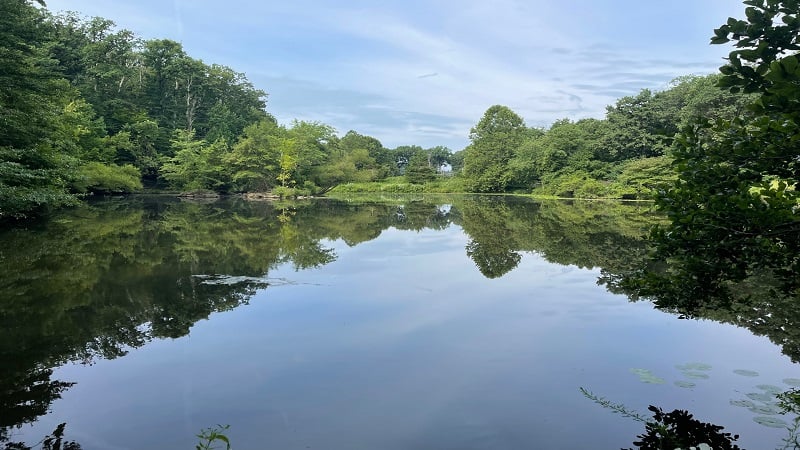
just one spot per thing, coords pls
(426, 323)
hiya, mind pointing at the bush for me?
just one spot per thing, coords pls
(101, 178)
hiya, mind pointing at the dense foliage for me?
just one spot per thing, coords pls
(732, 244)
(89, 108)
(98, 280)
(627, 154)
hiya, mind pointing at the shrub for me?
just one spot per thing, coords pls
(101, 178)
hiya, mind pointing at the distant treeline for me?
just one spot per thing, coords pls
(90, 108)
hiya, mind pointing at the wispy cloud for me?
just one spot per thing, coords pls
(423, 72)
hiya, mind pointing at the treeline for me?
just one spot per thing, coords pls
(624, 155)
(87, 107)
(90, 108)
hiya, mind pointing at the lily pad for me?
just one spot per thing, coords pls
(696, 375)
(646, 376)
(760, 397)
(685, 384)
(743, 403)
(772, 422)
(769, 410)
(775, 390)
(746, 373)
(792, 381)
(693, 366)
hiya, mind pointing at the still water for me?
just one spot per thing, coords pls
(425, 323)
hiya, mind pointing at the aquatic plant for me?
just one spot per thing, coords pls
(674, 430)
(617, 408)
(679, 429)
(54, 441)
(646, 376)
(209, 436)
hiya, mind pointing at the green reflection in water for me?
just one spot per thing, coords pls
(96, 281)
(101, 279)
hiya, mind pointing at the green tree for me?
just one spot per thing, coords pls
(438, 156)
(494, 140)
(103, 63)
(419, 171)
(288, 162)
(731, 249)
(255, 159)
(382, 156)
(402, 156)
(639, 126)
(197, 164)
(735, 205)
(313, 142)
(34, 172)
(457, 161)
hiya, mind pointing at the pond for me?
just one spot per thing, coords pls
(418, 322)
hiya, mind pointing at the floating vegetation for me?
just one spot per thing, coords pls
(772, 422)
(774, 390)
(766, 409)
(761, 397)
(743, 403)
(685, 384)
(229, 280)
(747, 373)
(693, 366)
(618, 408)
(792, 381)
(696, 375)
(646, 376)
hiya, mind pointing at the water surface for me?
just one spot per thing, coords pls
(438, 322)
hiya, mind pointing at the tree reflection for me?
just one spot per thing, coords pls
(490, 223)
(100, 280)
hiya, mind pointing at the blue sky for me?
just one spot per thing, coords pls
(423, 72)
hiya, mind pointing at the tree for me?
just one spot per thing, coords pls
(457, 161)
(438, 156)
(418, 170)
(256, 158)
(382, 156)
(313, 142)
(197, 164)
(403, 155)
(103, 63)
(494, 140)
(34, 173)
(640, 126)
(734, 211)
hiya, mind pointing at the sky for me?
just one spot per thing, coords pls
(423, 72)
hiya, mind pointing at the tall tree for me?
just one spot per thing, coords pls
(494, 140)
(34, 173)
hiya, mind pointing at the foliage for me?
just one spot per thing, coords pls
(493, 142)
(419, 171)
(679, 429)
(667, 431)
(733, 210)
(617, 408)
(453, 184)
(209, 436)
(101, 178)
(82, 91)
(54, 441)
(196, 164)
(34, 172)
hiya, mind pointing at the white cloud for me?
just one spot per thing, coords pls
(423, 72)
